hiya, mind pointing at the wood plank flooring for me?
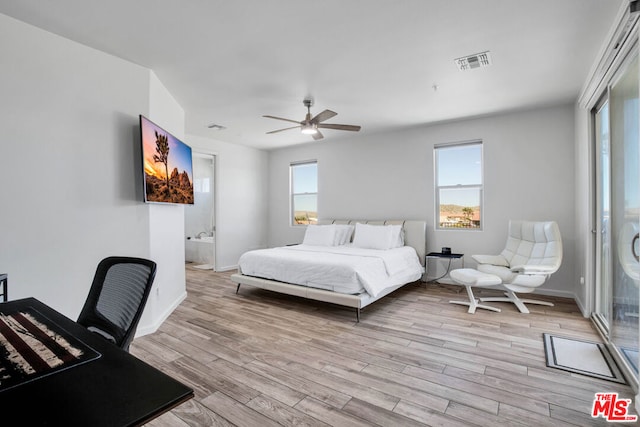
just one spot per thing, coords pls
(263, 359)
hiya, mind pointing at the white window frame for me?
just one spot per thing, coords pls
(292, 195)
(439, 188)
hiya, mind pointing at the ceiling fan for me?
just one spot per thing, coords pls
(312, 126)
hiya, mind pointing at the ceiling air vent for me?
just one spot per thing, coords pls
(477, 60)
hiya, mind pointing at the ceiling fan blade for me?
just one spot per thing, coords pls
(280, 130)
(339, 127)
(280, 118)
(325, 115)
(318, 135)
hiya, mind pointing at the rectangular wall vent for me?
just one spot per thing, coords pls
(477, 60)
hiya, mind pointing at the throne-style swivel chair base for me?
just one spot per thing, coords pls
(468, 277)
(510, 296)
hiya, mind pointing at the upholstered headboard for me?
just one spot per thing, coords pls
(415, 231)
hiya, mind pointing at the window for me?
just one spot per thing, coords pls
(458, 179)
(304, 192)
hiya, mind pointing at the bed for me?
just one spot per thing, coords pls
(360, 263)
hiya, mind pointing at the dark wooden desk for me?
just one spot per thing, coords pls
(113, 388)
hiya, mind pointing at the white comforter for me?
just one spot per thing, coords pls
(334, 267)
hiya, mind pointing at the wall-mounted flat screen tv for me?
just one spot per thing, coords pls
(167, 165)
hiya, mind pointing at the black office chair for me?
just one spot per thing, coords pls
(117, 298)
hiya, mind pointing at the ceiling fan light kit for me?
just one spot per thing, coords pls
(312, 125)
(309, 129)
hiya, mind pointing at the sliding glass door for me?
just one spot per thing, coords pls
(617, 165)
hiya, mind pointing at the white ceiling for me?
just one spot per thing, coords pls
(374, 62)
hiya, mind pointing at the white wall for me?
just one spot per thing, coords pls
(529, 174)
(70, 167)
(72, 184)
(241, 198)
(68, 164)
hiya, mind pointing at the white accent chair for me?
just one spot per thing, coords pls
(533, 252)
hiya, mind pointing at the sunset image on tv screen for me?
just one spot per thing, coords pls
(168, 167)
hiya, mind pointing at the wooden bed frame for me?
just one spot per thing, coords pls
(414, 235)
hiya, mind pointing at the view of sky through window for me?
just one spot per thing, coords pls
(305, 180)
(459, 165)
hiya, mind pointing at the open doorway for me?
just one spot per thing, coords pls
(199, 227)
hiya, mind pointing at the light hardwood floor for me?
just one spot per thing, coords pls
(263, 359)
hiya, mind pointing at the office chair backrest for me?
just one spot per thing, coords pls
(533, 243)
(117, 298)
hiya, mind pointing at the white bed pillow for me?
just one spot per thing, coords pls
(320, 235)
(378, 236)
(343, 234)
(397, 237)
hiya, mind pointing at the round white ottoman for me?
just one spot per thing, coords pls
(469, 277)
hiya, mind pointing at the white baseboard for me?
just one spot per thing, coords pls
(585, 312)
(227, 268)
(553, 293)
(149, 329)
